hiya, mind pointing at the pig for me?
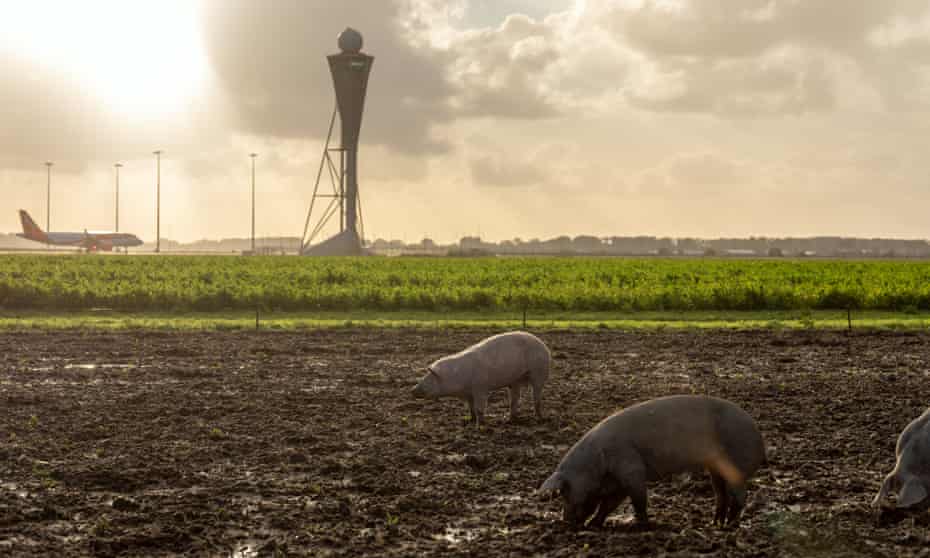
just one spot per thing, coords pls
(512, 360)
(911, 474)
(649, 441)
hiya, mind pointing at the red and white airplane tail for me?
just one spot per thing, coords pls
(30, 229)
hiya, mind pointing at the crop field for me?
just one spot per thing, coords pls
(308, 443)
(228, 283)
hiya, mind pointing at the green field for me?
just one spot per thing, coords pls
(544, 286)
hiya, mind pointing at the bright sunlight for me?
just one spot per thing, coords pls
(143, 60)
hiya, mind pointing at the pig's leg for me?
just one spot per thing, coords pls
(912, 493)
(888, 485)
(737, 501)
(479, 399)
(638, 498)
(537, 394)
(634, 482)
(471, 407)
(514, 400)
(609, 503)
(722, 496)
(627, 469)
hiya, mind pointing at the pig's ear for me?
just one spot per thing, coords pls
(913, 492)
(554, 484)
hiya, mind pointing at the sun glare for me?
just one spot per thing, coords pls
(142, 60)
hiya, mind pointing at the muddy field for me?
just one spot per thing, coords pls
(308, 443)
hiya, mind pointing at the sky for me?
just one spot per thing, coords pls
(504, 118)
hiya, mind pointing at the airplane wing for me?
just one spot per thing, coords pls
(96, 243)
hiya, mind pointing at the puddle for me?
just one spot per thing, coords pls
(248, 550)
(57, 382)
(559, 448)
(316, 362)
(248, 545)
(509, 499)
(15, 489)
(457, 535)
(84, 366)
(249, 503)
(322, 385)
(96, 366)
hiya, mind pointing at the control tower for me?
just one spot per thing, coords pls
(350, 69)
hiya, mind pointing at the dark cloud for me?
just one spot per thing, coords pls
(271, 60)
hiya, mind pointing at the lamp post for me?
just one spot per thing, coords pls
(253, 156)
(48, 196)
(157, 200)
(117, 166)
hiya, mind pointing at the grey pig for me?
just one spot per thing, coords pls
(911, 473)
(652, 440)
(511, 360)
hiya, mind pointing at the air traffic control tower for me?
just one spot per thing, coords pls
(350, 69)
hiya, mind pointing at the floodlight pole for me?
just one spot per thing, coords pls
(117, 166)
(157, 200)
(48, 196)
(253, 156)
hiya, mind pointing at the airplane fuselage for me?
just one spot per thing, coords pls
(114, 240)
(88, 240)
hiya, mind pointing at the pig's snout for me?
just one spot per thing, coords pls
(418, 391)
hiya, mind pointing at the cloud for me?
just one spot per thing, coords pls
(741, 28)
(46, 115)
(43, 116)
(491, 170)
(695, 175)
(499, 72)
(270, 60)
(778, 83)
(535, 69)
(737, 58)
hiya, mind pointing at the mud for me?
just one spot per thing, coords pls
(308, 443)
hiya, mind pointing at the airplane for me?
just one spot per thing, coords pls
(90, 241)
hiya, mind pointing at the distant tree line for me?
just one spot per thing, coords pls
(822, 246)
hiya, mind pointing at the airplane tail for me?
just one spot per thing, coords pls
(30, 229)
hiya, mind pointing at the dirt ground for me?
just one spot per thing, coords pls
(309, 443)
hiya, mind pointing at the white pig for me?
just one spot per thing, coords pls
(510, 360)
